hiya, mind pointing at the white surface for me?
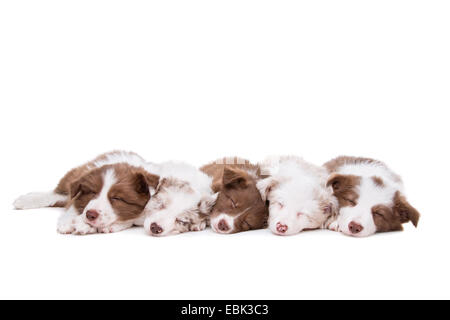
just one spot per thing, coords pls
(197, 80)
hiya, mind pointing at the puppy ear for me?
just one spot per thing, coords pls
(207, 203)
(342, 183)
(265, 186)
(75, 189)
(404, 210)
(233, 177)
(146, 182)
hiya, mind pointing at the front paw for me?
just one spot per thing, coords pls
(76, 228)
(114, 228)
(334, 226)
(66, 228)
(84, 229)
(199, 227)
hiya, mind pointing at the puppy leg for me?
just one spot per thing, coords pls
(35, 200)
(333, 226)
(70, 222)
(116, 227)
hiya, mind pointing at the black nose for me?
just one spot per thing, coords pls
(91, 215)
(223, 226)
(355, 227)
(155, 229)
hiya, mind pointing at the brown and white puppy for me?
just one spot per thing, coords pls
(370, 195)
(239, 206)
(298, 196)
(182, 200)
(107, 194)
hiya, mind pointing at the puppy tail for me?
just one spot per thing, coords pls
(36, 200)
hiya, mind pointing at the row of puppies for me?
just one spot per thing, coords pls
(118, 190)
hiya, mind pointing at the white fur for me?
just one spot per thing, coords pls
(296, 191)
(101, 203)
(370, 195)
(173, 208)
(35, 200)
(71, 222)
(121, 157)
(228, 219)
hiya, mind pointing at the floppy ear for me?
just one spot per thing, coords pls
(207, 203)
(75, 189)
(233, 177)
(265, 186)
(404, 210)
(146, 182)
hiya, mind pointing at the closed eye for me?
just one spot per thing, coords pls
(182, 222)
(352, 203)
(379, 215)
(233, 203)
(118, 199)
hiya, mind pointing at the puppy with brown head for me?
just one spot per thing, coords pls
(239, 206)
(105, 195)
(371, 197)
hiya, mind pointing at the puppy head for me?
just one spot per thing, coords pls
(112, 193)
(370, 204)
(176, 208)
(239, 206)
(297, 204)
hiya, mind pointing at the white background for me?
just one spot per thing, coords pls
(197, 80)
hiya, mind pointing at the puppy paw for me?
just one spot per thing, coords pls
(65, 228)
(84, 229)
(334, 226)
(199, 227)
(114, 228)
(75, 228)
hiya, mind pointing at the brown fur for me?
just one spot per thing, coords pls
(391, 218)
(378, 181)
(385, 218)
(335, 164)
(404, 210)
(128, 196)
(344, 188)
(63, 186)
(236, 183)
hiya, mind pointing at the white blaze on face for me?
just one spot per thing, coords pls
(370, 195)
(101, 203)
(222, 223)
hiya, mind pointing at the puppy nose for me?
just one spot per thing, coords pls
(91, 215)
(281, 228)
(155, 229)
(355, 227)
(223, 226)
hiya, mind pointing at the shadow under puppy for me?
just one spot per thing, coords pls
(107, 194)
(298, 195)
(239, 206)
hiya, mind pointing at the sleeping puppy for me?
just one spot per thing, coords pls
(370, 195)
(107, 194)
(182, 200)
(239, 206)
(298, 196)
